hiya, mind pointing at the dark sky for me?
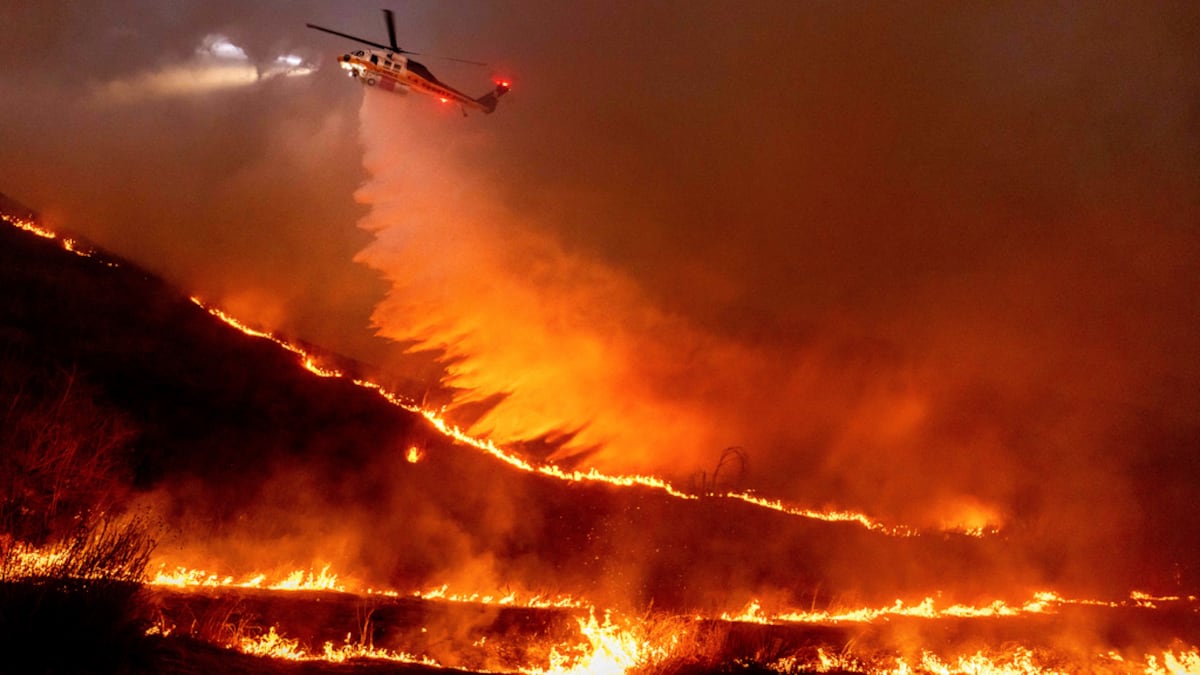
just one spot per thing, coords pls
(916, 258)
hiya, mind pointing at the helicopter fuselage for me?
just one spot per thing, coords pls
(399, 74)
(386, 67)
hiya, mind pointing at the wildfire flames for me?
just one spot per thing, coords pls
(613, 646)
(608, 649)
(606, 642)
(310, 362)
(67, 243)
(618, 644)
(300, 580)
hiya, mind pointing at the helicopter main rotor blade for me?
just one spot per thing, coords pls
(447, 58)
(348, 36)
(387, 13)
(391, 24)
(390, 18)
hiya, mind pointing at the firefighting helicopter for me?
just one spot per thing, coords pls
(388, 68)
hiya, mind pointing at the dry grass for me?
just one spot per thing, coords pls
(62, 455)
(71, 597)
(79, 605)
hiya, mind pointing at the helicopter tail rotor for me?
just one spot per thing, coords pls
(490, 99)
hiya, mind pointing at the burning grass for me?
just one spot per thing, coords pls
(482, 633)
(77, 604)
(72, 567)
(561, 642)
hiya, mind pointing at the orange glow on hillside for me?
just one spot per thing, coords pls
(67, 243)
(576, 476)
(311, 363)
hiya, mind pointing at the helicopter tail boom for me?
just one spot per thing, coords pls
(489, 100)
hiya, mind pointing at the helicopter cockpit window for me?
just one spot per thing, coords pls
(374, 59)
(358, 53)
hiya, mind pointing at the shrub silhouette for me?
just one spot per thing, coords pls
(71, 567)
(62, 460)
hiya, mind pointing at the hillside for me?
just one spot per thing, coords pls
(238, 443)
(247, 463)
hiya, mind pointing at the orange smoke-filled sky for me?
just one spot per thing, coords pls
(915, 259)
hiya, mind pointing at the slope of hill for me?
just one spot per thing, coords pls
(252, 463)
(255, 463)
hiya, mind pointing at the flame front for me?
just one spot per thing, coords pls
(1041, 603)
(67, 243)
(312, 364)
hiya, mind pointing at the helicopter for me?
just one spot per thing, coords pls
(388, 68)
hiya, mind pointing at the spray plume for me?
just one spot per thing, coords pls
(553, 348)
(567, 345)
